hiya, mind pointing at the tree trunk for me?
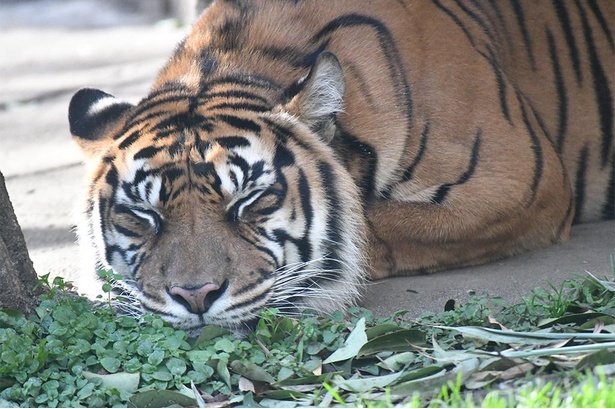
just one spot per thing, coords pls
(17, 275)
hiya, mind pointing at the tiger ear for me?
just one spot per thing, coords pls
(92, 113)
(320, 96)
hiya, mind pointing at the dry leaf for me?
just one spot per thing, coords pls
(246, 385)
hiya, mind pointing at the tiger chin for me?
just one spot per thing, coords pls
(289, 151)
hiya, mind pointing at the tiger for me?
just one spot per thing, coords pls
(289, 152)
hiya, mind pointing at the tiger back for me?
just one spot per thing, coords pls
(289, 150)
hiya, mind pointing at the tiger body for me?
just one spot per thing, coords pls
(288, 150)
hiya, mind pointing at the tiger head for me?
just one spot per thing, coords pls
(216, 203)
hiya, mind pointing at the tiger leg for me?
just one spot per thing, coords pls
(482, 220)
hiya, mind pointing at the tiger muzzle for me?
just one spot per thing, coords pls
(198, 299)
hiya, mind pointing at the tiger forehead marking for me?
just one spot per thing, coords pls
(288, 150)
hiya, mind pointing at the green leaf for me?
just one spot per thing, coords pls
(208, 333)
(176, 366)
(434, 381)
(577, 319)
(421, 373)
(122, 381)
(156, 357)
(111, 365)
(223, 372)
(284, 394)
(398, 361)
(381, 330)
(161, 399)
(404, 340)
(311, 379)
(361, 385)
(251, 371)
(225, 345)
(86, 391)
(528, 338)
(601, 357)
(273, 403)
(356, 339)
(5, 383)
(284, 374)
(8, 404)
(199, 356)
(162, 375)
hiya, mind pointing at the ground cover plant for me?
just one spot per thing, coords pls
(554, 349)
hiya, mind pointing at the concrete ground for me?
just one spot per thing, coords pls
(43, 62)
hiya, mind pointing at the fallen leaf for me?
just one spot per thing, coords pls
(352, 345)
(122, 381)
(246, 385)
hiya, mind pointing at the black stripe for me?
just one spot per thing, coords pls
(249, 80)
(527, 42)
(172, 174)
(351, 148)
(264, 275)
(560, 89)
(253, 300)
(302, 243)
(284, 134)
(141, 174)
(110, 249)
(232, 142)
(112, 178)
(183, 120)
(126, 232)
(573, 51)
(240, 123)
(604, 99)
(295, 57)
(129, 191)
(207, 61)
(259, 231)
(608, 211)
(178, 190)
(138, 262)
(305, 196)
(130, 139)
(409, 172)
(501, 22)
(239, 94)
(148, 152)
(395, 65)
(579, 183)
(360, 82)
(151, 101)
(536, 149)
(500, 81)
(283, 157)
(565, 221)
(457, 21)
(484, 27)
(231, 34)
(257, 170)
(444, 189)
(604, 25)
(245, 106)
(243, 165)
(334, 218)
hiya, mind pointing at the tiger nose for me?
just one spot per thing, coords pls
(197, 299)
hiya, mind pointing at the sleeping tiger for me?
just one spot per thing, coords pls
(289, 150)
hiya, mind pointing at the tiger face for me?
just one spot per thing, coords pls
(212, 213)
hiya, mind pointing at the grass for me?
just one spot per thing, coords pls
(553, 349)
